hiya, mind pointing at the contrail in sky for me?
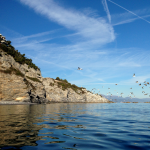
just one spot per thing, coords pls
(129, 11)
(104, 2)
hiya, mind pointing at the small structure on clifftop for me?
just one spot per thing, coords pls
(2, 39)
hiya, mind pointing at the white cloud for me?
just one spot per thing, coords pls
(104, 2)
(89, 28)
(124, 18)
(131, 12)
(129, 16)
(129, 64)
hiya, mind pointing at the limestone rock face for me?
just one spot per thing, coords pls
(19, 83)
(7, 61)
(15, 84)
(13, 88)
(55, 94)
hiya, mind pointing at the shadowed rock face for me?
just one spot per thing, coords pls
(20, 83)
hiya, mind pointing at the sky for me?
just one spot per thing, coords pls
(109, 39)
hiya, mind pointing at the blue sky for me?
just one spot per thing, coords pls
(109, 39)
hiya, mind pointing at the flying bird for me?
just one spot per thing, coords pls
(79, 68)
(136, 81)
(134, 75)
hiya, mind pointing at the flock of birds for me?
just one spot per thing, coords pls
(131, 95)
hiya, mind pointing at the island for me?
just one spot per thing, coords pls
(21, 82)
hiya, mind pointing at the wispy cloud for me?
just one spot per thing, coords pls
(36, 35)
(93, 28)
(104, 2)
(131, 12)
(128, 16)
(123, 18)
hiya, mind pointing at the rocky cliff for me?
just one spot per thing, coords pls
(20, 83)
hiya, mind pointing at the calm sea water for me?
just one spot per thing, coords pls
(78, 126)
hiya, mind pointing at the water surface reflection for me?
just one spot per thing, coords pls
(75, 126)
(17, 124)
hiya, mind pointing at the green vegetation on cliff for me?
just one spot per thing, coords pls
(13, 70)
(20, 58)
(34, 79)
(64, 84)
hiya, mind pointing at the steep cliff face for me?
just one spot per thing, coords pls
(54, 93)
(20, 83)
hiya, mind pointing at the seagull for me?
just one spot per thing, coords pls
(131, 88)
(147, 82)
(134, 75)
(79, 68)
(140, 84)
(116, 84)
(136, 81)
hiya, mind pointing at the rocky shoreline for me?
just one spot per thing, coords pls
(15, 103)
(21, 84)
(30, 103)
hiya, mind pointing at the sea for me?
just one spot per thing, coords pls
(75, 126)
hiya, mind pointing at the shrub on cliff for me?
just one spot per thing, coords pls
(34, 79)
(58, 78)
(18, 57)
(13, 70)
(64, 84)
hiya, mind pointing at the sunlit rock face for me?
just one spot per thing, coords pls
(13, 88)
(19, 83)
(56, 94)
